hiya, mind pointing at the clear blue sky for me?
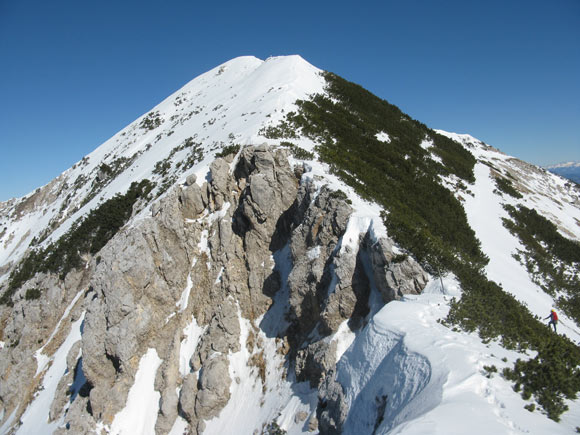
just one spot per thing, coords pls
(73, 73)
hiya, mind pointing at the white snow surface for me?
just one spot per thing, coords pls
(254, 403)
(192, 333)
(383, 137)
(35, 418)
(433, 377)
(140, 413)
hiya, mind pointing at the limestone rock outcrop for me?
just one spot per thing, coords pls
(218, 254)
(395, 275)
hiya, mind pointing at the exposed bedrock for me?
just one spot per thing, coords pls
(208, 252)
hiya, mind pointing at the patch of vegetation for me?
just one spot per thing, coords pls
(273, 429)
(486, 308)
(165, 184)
(227, 150)
(530, 407)
(506, 186)
(553, 375)
(550, 377)
(163, 167)
(489, 370)
(399, 258)
(297, 152)
(106, 173)
(151, 121)
(195, 156)
(106, 169)
(284, 130)
(86, 237)
(552, 260)
(423, 216)
(32, 293)
(340, 195)
(532, 228)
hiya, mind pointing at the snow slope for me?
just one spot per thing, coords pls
(228, 104)
(542, 191)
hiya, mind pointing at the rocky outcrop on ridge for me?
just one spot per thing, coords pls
(210, 252)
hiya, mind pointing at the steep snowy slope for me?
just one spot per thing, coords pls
(262, 292)
(224, 106)
(544, 192)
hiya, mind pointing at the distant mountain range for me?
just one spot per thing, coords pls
(569, 170)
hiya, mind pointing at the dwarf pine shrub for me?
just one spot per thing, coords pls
(229, 149)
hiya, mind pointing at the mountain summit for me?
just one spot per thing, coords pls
(273, 249)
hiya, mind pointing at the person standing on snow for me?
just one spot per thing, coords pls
(553, 319)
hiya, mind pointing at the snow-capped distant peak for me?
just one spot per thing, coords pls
(564, 165)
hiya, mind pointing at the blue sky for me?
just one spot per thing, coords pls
(73, 73)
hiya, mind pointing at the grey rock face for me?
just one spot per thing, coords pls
(220, 182)
(312, 245)
(348, 292)
(27, 326)
(332, 407)
(214, 387)
(218, 243)
(395, 276)
(269, 191)
(61, 396)
(222, 334)
(132, 298)
(166, 380)
(315, 361)
(192, 201)
(187, 397)
(78, 420)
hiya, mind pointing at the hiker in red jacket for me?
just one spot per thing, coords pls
(553, 319)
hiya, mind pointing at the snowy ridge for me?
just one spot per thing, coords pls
(548, 193)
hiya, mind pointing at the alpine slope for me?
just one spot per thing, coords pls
(401, 370)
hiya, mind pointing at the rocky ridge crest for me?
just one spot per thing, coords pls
(210, 253)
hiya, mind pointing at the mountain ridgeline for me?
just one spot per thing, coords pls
(428, 220)
(236, 258)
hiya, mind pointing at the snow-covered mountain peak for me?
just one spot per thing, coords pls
(227, 105)
(374, 279)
